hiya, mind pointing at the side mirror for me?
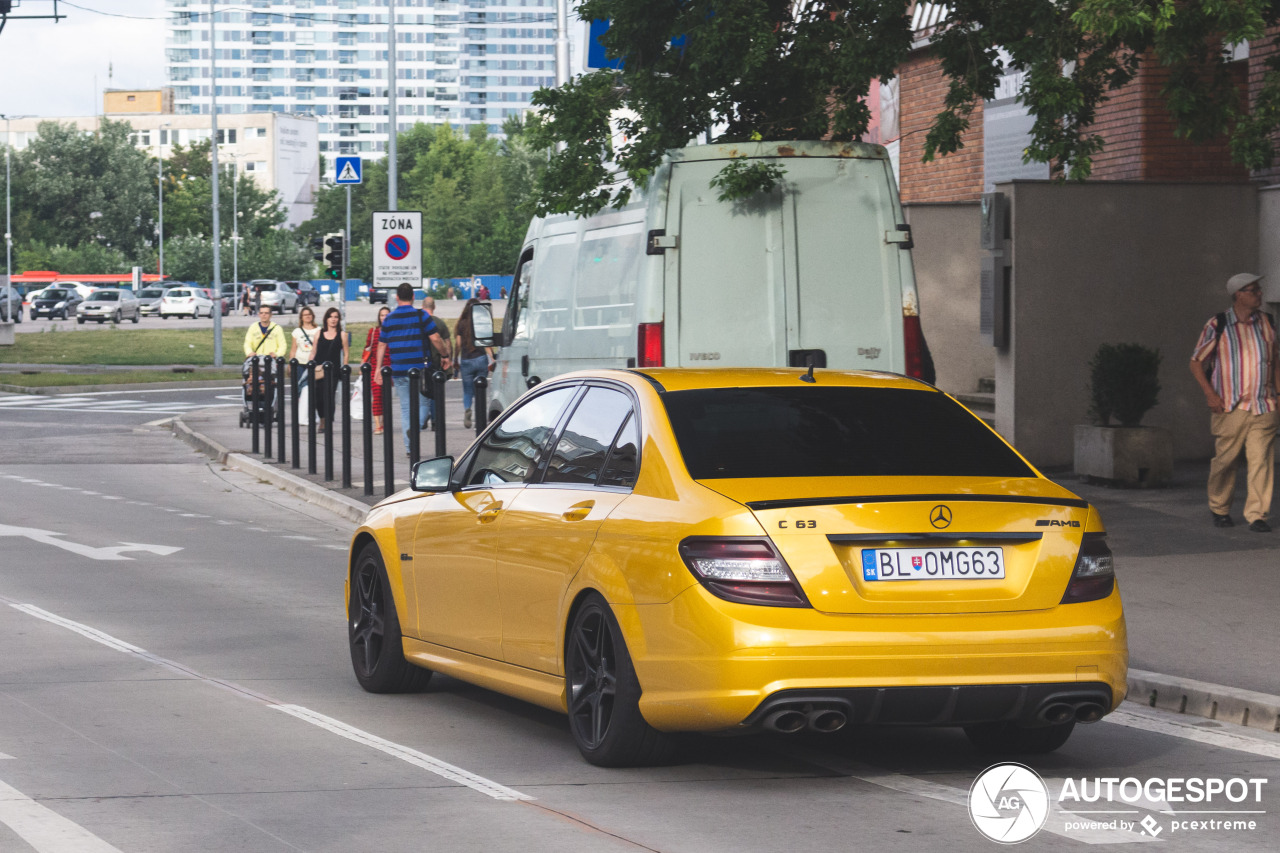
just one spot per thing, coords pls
(432, 475)
(482, 324)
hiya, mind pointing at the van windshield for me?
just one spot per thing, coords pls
(730, 433)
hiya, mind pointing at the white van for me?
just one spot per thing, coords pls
(816, 271)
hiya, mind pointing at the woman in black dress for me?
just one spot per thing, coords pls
(331, 347)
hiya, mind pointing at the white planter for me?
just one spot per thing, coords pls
(1131, 456)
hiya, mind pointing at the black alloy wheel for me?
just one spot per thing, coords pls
(604, 694)
(377, 651)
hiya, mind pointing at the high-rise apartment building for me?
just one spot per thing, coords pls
(464, 63)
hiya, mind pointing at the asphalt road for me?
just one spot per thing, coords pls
(176, 678)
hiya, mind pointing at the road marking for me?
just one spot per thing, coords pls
(1165, 723)
(44, 829)
(404, 753)
(113, 552)
(300, 538)
(4, 757)
(419, 759)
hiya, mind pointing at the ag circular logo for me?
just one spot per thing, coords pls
(1009, 803)
(397, 247)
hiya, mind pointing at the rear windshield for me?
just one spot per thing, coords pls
(150, 292)
(265, 287)
(104, 296)
(730, 433)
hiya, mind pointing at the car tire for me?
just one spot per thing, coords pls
(604, 693)
(80, 320)
(373, 631)
(137, 315)
(119, 317)
(1013, 739)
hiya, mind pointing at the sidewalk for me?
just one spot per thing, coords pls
(1201, 602)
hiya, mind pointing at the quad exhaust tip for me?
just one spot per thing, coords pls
(1089, 712)
(787, 721)
(795, 719)
(1065, 710)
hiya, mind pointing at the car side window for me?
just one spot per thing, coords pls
(623, 465)
(583, 446)
(513, 450)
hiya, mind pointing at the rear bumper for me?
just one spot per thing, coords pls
(705, 664)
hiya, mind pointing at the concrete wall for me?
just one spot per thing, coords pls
(947, 257)
(1114, 262)
(1269, 243)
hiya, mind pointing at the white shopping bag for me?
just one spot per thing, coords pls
(356, 403)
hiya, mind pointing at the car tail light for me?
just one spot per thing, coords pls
(650, 349)
(913, 339)
(748, 571)
(1094, 575)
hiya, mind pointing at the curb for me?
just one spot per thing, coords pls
(1202, 699)
(340, 505)
(1153, 689)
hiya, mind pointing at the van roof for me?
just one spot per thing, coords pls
(807, 148)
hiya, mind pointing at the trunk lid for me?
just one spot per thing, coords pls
(829, 529)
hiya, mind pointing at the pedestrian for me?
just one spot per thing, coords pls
(304, 343)
(429, 305)
(371, 355)
(406, 333)
(474, 360)
(264, 338)
(332, 352)
(245, 305)
(484, 292)
(1234, 363)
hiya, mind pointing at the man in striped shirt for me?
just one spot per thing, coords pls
(1240, 347)
(405, 336)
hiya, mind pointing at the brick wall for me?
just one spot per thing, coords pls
(955, 177)
(1141, 144)
(1259, 52)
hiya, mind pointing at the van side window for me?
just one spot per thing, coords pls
(517, 317)
(580, 453)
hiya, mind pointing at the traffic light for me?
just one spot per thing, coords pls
(333, 259)
(317, 243)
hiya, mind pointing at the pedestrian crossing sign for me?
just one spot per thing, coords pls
(348, 170)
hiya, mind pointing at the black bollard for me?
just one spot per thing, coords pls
(366, 385)
(293, 411)
(268, 411)
(481, 403)
(255, 400)
(414, 423)
(437, 394)
(330, 381)
(311, 417)
(346, 425)
(280, 386)
(388, 436)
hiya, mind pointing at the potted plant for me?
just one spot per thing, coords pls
(1124, 384)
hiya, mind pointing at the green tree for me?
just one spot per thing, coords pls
(276, 254)
(73, 188)
(776, 70)
(86, 259)
(188, 197)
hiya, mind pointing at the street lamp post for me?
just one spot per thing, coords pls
(8, 208)
(235, 223)
(160, 197)
(213, 152)
(393, 176)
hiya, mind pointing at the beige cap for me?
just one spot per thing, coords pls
(1239, 280)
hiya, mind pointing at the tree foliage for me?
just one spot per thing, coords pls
(778, 70)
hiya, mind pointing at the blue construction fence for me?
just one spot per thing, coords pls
(499, 287)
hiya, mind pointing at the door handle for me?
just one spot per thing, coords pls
(489, 513)
(578, 512)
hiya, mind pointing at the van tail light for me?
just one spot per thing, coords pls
(744, 570)
(1094, 575)
(918, 361)
(650, 345)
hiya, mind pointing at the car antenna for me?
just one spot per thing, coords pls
(808, 377)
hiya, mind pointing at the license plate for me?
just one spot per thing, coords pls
(932, 564)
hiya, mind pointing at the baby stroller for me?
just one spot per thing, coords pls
(249, 414)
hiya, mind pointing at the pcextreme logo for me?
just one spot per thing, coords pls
(1010, 803)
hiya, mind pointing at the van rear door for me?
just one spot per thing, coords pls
(728, 301)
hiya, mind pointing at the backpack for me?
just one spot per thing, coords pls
(1220, 326)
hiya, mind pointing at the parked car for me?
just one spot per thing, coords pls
(233, 292)
(185, 301)
(277, 294)
(223, 301)
(110, 303)
(80, 287)
(149, 300)
(55, 301)
(10, 305)
(307, 293)
(658, 551)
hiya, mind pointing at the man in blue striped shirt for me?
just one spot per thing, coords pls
(404, 338)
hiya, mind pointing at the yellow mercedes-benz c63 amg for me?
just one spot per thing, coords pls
(659, 551)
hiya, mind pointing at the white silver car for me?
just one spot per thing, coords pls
(281, 297)
(110, 303)
(149, 299)
(10, 305)
(185, 302)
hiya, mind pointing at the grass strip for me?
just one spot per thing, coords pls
(114, 377)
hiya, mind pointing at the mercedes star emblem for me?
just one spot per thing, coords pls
(940, 516)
